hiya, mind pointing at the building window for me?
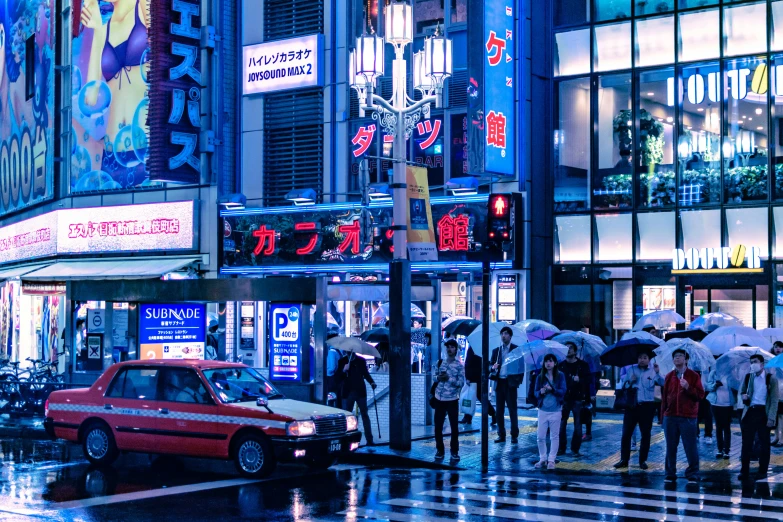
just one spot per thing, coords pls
(572, 53)
(572, 239)
(699, 35)
(655, 41)
(656, 232)
(648, 7)
(459, 11)
(687, 4)
(614, 237)
(572, 12)
(745, 86)
(613, 47)
(612, 184)
(426, 15)
(744, 29)
(700, 229)
(699, 146)
(612, 9)
(749, 227)
(655, 127)
(777, 239)
(572, 146)
(776, 43)
(776, 134)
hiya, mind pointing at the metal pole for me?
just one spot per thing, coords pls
(485, 362)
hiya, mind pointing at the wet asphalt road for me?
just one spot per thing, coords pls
(42, 480)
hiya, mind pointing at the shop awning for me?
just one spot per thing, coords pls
(19, 271)
(146, 268)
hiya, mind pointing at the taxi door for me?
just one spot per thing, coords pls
(130, 409)
(187, 422)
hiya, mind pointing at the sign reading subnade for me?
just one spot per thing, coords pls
(739, 259)
(287, 64)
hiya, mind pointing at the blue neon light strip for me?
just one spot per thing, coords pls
(325, 207)
(370, 267)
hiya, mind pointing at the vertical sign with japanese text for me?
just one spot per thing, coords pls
(421, 236)
(285, 342)
(491, 87)
(175, 91)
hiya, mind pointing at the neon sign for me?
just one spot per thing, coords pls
(716, 260)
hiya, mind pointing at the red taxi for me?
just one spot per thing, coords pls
(200, 409)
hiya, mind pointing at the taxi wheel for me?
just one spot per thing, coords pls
(98, 443)
(253, 456)
(322, 462)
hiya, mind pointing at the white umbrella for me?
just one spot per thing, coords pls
(701, 358)
(589, 347)
(642, 335)
(773, 334)
(709, 322)
(519, 337)
(733, 365)
(533, 354)
(727, 337)
(533, 325)
(659, 319)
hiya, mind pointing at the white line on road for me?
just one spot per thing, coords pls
(616, 499)
(484, 512)
(375, 514)
(562, 506)
(734, 497)
(152, 493)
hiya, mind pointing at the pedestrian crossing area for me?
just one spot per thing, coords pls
(472, 497)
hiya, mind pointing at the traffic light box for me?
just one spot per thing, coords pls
(500, 226)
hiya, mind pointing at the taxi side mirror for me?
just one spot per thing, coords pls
(264, 403)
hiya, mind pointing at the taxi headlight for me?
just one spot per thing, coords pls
(352, 422)
(301, 429)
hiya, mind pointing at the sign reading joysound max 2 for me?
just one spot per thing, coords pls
(286, 64)
(716, 260)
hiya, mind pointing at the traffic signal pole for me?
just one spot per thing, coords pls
(485, 361)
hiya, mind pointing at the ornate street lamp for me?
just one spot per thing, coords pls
(398, 117)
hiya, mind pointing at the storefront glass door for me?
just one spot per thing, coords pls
(739, 302)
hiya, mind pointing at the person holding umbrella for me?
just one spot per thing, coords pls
(352, 372)
(450, 380)
(760, 396)
(550, 389)
(682, 391)
(506, 392)
(777, 442)
(473, 374)
(577, 375)
(639, 381)
(722, 400)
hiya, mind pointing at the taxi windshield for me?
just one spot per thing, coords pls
(233, 385)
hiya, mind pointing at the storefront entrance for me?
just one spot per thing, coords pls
(744, 300)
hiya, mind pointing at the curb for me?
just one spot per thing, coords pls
(393, 461)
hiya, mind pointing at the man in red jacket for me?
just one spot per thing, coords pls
(682, 392)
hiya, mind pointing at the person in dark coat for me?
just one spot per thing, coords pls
(473, 374)
(506, 386)
(577, 374)
(352, 372)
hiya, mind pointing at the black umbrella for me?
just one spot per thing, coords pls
(696, 335)
(462, 327)
(376, 335)
(627, 352)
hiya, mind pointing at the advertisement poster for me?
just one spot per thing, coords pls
(26, 119)
(172, 331)
(285, 342)
(295, 63)
(658, 298)
(421, 236)
(110, 98)
(248, 326)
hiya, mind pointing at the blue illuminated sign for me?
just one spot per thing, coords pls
(285, 342)
(162, 323)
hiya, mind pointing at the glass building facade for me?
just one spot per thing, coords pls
(667, 129)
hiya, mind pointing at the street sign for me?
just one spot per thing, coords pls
(172, 331)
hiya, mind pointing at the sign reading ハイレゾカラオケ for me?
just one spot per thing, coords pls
(286, 64)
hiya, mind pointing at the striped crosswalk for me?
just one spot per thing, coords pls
(543, 500)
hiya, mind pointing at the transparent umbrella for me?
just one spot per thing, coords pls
(532, 354)
(659, 319)
(589, 347)
(519, 337)
(383, 311)
(642, 335)
(451, 319)
(733, 365)
(353, 344)
(709, 322)
(727, 337)
(537, 329)
(772, 334)
(701, 358)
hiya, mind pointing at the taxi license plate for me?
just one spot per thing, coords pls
(334, 446)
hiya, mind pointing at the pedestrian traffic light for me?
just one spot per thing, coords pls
(500, 232)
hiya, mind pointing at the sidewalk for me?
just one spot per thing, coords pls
(598, 455)
(21, 427)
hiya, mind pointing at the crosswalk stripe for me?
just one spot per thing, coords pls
(700, 507)
(484, 512)
(375, 514)
(562, 506)
(733, 498)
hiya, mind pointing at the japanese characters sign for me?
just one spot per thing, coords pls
(175, 92)
(491, 88)
(283, 65)
(172, 331)
(421, 237)
(126, 228)
(348, 235)
(285, 342)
